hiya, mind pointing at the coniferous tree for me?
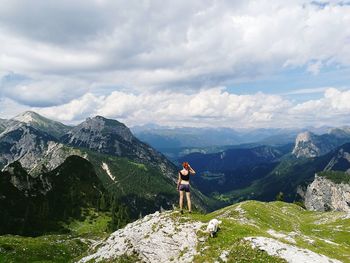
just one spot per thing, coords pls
(120, 215)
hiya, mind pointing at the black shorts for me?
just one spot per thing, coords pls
(184, 187)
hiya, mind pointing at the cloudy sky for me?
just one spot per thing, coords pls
(242, 63)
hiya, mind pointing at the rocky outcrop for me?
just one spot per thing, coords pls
(324, 195)
(304, 145)
(23, 143)
(290, 253)
(34, 149)
(155, 238)
(308, 144)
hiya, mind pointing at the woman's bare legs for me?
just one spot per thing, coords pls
(188, 198)
(181, 201)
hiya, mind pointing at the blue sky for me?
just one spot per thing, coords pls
(290, 81)
(267, 63)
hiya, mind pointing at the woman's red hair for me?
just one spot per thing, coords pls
(185, 165)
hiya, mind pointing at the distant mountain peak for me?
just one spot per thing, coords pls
(28, 117)
(305, 136)
(105, 121)
(101, 134)
(41, 123)
(308, 144)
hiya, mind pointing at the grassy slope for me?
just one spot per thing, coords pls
(56, 248)
(328, 230)
(258, 217)
(144, 179)
(53, 248)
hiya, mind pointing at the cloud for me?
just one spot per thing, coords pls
(74, 111)
(213, 107)
(333, 109)
(10, 108)
(306, 91)
(41, 93)
(155, 45)
(154, 61)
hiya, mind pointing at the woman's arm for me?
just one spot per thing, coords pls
(191, 170)
(178, 181)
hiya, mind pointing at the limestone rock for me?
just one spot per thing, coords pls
(155, 238)
(308, 144)
(324, 195)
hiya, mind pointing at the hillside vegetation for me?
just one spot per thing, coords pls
(321, 232)
(337, 177)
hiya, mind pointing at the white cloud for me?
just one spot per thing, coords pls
(307, 91)
(156, 44)
(332, 109)
(213, 107)
(75, 110)
(35, 92)
(155, 61)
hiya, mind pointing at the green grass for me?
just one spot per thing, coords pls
(53, 248)
(284, 218)
(94, 225)
(56, 248)
(325, 233)
(131, 177)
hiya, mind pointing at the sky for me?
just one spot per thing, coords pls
(205, 63)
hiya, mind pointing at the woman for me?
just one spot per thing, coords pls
(183, 185)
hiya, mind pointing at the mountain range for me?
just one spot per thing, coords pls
(40, 159)
(71, 186)
(261, 172)
(169, 138)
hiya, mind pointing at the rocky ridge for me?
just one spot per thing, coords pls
(155, 238)
(171, 237)
(43, 124)
(330, 189)
(32, 148)
(28, 139)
